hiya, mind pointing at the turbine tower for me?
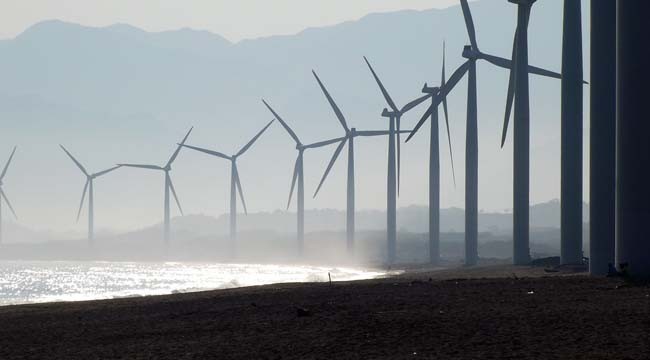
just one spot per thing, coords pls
(602, 137)
(169, 186)
(571, 161)
(298, 176)
(235, 183)
(394, 116)
(350, 135)
(88, 188)
(3, 195)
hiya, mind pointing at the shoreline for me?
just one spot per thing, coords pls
(484, 312)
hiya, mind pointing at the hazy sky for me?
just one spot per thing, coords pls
(234, 19)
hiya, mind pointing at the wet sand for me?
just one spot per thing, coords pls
(498, 312)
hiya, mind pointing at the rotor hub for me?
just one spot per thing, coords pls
(470, 53)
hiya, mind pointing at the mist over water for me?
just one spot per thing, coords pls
(23, 282)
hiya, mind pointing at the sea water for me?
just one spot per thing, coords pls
(23, 282)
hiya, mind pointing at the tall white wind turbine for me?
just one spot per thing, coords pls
(89, 189)
(235, 183)
(298, 176)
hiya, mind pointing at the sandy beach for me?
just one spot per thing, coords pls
(497, 312)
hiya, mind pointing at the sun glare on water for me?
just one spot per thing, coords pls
(37, 282)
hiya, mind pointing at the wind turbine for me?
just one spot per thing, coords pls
(473, 54)
(298, 176)
(394, 116)
(3, 195)
(235, 183)
(434, 164)
(350, 134)
(88, 188)
(169, 186)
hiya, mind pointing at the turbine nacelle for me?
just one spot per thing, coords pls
(433, 90)
(470, 53)
(523, 2)
(389, 114)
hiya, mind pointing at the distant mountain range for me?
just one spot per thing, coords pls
(118, 93)
(410, 219)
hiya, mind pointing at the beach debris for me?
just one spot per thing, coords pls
(611, 271)
(302, 312)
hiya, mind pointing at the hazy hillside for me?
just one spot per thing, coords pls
(411, 219)
(119, 94)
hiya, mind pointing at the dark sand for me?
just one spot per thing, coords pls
(492, 314)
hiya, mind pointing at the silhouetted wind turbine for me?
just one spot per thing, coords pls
(434, 164)
(168, 186)
(3, 195)
(394, 117)
(298, 176)
(88, 188)
(235, 183)
(473, 54)
(350, 134)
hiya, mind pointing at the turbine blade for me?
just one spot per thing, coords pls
(469, 23)
(178, 148)
(8, 203)
(239, 188)
(510, 97)
(81, 167)
(83, 197)
(414, 103)
(4, 171)
(453, 81)
(293, 181)
(509, 101)
(284, 124)
(257, 136)
(140, 166)
(373, 132)
(178, 203)
(423, 119)
(106, 171)
(209, 152)
(335, 156)
(324, 143)
(443, 81)
(382, 88)
(507, 64)
(335, 107)
(451, 153)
